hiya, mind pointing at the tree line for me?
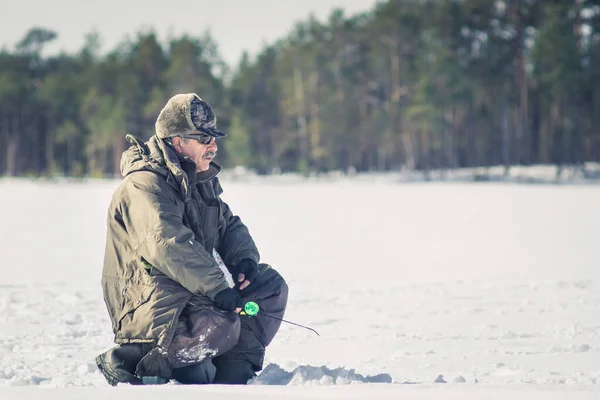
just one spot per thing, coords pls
(416, 84)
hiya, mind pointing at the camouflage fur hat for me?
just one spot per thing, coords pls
(187, 114)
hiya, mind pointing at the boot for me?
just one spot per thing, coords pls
(118, 364)
(155, 368)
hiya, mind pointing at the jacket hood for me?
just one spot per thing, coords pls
(144, 156)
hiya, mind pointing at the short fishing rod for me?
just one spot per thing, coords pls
(252, 309)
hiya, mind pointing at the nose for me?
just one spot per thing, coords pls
(212, 146)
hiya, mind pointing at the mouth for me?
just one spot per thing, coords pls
(209, 155)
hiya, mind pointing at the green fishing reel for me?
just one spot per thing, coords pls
(251, 309)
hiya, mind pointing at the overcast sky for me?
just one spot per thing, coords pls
(236, 25)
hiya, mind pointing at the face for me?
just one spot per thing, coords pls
(201, 154)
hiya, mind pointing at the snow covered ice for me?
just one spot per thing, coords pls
(491, 288)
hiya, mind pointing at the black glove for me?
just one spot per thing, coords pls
(228, 300)
(249, 268)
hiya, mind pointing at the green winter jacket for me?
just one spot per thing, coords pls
(163, 223)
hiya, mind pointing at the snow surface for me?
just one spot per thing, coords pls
(450, 290)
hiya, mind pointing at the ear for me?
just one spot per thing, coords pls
(177, 144)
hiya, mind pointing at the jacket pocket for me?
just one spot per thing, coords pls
(134, 296)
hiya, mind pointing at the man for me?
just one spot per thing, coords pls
(173, 313)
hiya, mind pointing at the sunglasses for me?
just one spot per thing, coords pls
(202, 138)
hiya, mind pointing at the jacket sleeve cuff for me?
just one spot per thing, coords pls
(249, 254)
(221, 286)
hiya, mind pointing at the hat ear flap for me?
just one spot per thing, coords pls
(174, 118)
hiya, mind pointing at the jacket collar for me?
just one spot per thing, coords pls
(205, 176)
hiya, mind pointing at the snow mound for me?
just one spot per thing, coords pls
(273, 374)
